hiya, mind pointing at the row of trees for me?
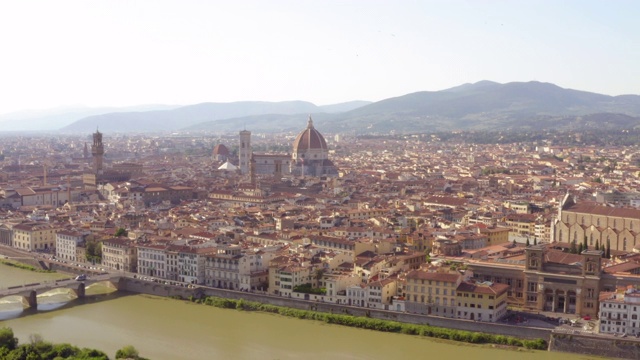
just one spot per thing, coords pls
(576, 248)
(39, 349)
(374, 324)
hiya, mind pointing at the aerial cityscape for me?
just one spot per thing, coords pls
(464, 172)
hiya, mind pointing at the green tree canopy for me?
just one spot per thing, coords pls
(121, 232)
(7, 339)
(128, 352)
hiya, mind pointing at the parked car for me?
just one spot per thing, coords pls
(81, 277)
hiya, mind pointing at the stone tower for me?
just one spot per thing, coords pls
(244, 152)
(97, 150)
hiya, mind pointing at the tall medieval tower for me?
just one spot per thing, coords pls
(97, 150)
(244, 152)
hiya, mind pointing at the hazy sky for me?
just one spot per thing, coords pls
(117, 53)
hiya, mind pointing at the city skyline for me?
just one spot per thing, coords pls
(164, 52)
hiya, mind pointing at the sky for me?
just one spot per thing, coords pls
(179, 52)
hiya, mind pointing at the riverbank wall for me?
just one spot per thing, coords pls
(152, 288)
(593, 345)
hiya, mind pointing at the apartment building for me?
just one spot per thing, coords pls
(481, 301)
(619, 312)
(283, 279)
(120, 254)
(34, 236)
(152, 259)
(432, 293)
(187, 263)
(67, 243)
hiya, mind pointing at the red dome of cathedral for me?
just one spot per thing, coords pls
(309, 139)
(220, 149)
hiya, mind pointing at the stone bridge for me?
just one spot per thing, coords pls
(29, 292)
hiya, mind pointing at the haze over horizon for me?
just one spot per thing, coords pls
(120, 53)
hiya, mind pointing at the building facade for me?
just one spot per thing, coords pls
(619, 312)
(432, 293)
(67, 243)
(481, 301)
(546, 279)
(120, 254)
(617, 228)
(34, 236)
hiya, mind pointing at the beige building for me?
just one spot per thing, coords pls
(432, 293)
(120, 254)
(379, 294)
(34, 236)
(283, 279)
(495, 235)
(545, 279)
(481, 301)
(598, 224)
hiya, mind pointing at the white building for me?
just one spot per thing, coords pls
(222, 267)
(67, 243)
(619, 312)
(187, 263)
(357, 295)
(152, 260)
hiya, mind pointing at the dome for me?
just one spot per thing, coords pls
(220, 149)
(309, 139)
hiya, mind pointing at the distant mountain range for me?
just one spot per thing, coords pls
(189, 116)
(490, 105)
(484, 105)
(54, 119)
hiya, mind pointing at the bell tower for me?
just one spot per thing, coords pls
(97, 150)
(244, 152)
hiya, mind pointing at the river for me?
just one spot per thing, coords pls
(162, 328)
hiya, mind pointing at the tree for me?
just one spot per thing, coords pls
(319, 273)
(127, 352)
(528, 243)
(121, 232)
(94, 251)
(608, 252)
(535, 241)
(574, 248)
(585, 245)
(7, 340)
